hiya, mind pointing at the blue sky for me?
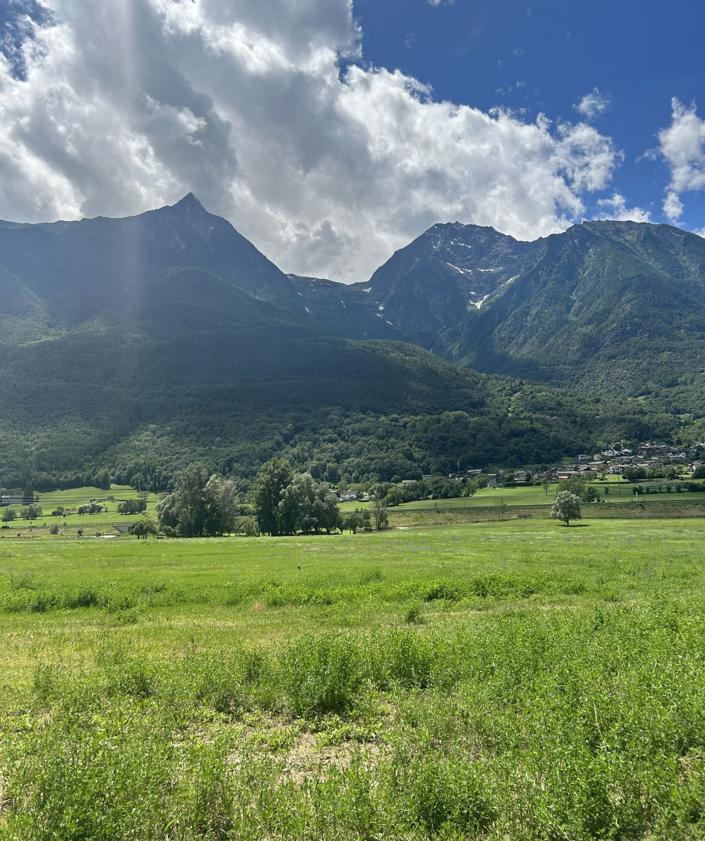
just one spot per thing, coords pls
(332, 132)
(544, 56)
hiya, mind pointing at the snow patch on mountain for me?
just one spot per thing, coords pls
(458, 269)
(477, 304)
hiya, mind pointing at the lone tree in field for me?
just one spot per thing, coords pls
(566, 507)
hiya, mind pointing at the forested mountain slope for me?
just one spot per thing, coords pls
(608, 309)
(139, 344)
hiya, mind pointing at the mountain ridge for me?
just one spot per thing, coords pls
(140, 343)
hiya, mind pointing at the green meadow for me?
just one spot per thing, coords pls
(506, 680)
(611, 492)
(485, 504)
(70, 500)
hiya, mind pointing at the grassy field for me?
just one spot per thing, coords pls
(617, 492)
(509, 680)
(71, 499)
(486, 504)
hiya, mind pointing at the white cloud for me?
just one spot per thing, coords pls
(672, 206)
(682, 145)
(593, 104)
(615, 207)
(128, 105)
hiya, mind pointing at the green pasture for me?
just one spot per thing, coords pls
(532, 495)
(512, 497)
(508, 680)
(72, 498)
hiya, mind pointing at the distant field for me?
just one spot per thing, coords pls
(486, 504)
(508, 680)
(618, 492)
(75, 497)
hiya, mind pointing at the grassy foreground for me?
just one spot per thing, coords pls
(509, 680)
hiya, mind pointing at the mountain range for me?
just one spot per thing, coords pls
(617, 307)
(138, 344)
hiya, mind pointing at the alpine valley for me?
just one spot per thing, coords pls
(138, 345)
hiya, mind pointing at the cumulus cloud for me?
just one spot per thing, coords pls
(615, 207)
(682, 146)
(326, 164)
(593, 104)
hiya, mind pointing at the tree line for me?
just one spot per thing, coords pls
(284, 502)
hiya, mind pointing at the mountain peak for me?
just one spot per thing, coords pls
(190, 203)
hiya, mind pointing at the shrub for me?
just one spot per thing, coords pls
(85, 597)
(321, 675)
(442, 590)
(412, 615)
(448, 794)
(401, 658)
(101, 780)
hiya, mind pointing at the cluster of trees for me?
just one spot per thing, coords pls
(639, 474)
(92, 507)
(143, 528)
(678, 487)
(291, 503)
(29, 512)
(366, 519)
(132, 506)
(201, 504)
(288, 503)
(435, 488)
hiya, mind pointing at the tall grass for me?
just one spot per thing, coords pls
(576, 726)
(524, 706)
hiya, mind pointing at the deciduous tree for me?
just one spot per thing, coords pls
(566, 507)
(270, 484)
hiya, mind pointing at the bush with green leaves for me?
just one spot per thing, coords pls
(321, 675)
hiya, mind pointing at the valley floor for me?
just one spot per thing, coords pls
(502, 680)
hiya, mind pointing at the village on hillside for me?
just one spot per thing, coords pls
(648, 460)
